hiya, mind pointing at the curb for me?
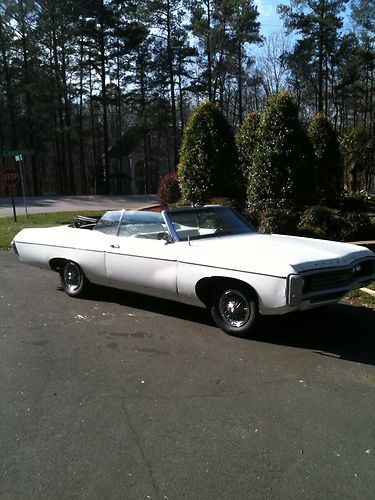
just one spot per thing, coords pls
(148, 207)
(370, 244)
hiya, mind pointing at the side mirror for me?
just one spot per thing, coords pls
(164, 236)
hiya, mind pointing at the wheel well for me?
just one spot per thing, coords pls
(206, 286)
(57, 264)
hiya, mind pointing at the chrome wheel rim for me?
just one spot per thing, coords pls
(234, 308)
(72, 276)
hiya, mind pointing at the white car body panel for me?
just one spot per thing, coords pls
(173, 270)
(39, 246)
(142, 265)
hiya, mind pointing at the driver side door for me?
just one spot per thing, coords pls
(138, 261)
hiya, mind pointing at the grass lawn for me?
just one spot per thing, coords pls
(9, 228)
(362, 298)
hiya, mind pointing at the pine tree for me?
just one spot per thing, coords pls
(317, 22)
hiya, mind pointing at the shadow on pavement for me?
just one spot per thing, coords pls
(342, 331)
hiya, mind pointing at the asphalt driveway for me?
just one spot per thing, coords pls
(123, 396)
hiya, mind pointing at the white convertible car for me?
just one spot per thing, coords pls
(205, 256)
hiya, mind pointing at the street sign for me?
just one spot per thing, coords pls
(9, 176)
(24, 152)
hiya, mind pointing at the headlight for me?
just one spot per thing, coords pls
(357, 269)
(295, 287)
(14, 248)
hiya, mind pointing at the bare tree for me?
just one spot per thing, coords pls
(272, 63)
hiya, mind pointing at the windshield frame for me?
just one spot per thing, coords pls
(209, 209)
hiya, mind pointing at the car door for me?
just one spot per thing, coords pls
(137, 260)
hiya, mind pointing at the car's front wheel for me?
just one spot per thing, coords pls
(73, 281)
(234, 310)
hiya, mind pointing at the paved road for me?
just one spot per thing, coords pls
(126, 397)
(64, 203)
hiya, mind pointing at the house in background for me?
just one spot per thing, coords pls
(138, 161)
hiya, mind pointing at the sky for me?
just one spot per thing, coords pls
(268, 17)
(270, 21)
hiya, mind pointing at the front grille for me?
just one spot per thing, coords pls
(337, 279)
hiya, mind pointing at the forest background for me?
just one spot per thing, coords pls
(99, 91)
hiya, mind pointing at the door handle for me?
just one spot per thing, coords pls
(115, 246)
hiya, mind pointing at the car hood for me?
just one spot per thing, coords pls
(272, 254)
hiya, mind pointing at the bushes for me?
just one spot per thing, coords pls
(359, 202)
(282, 174)
(315, 222)
(247, 140)
(208, 165)
(169, 189)
(359, 157)
(287, 170)
(329, 223)
(279, 221)
(320, 222)
(328, 161)
(356, 226)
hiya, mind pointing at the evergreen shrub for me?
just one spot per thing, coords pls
(329, 223)
(247, 140)
(253, 216)
(208, 165)
(328, 162)
(320, 222)
(356, 226)
(359, 202)
(278, 220)
(283, 173)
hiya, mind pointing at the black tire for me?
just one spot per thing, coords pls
(234, 309)
(73, 281)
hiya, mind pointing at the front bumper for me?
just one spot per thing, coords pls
(320, 287)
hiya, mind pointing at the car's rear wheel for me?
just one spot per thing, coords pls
(234, 310)
(73, 281)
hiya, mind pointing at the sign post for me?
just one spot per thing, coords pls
(10, 178)
(18, 157)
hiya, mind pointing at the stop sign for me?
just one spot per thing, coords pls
(9, 176)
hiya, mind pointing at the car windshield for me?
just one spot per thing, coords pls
(208, 222)
(137, 224)
(109, 222)
(142, 225)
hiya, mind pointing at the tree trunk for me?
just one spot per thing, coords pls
(8, 90)
(29, 106)
(95, 147)
(102, 50)
(240, 85)
(72, 183)
(60, 117)
(82, 165)
(320, 64)
(171, 83)
(208, 50)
